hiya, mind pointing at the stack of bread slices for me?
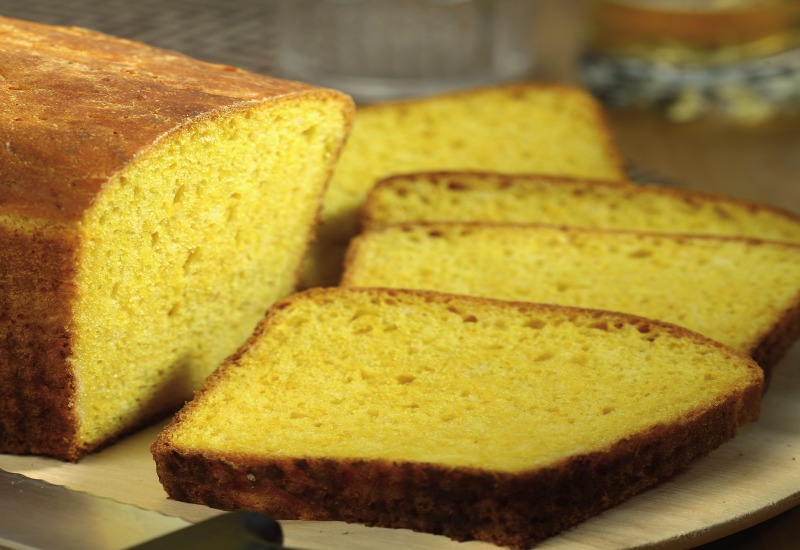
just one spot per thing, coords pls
(510, 350)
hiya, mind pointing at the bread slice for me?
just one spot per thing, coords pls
(534, 198)
(151, 208)
(473, 418)
(512, 128)
(742, 292)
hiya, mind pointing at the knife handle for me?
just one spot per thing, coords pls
(234, 531)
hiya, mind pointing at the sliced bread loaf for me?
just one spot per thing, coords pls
(468, 417)
(531, 198)
(151, 208)
(531, 127)
(742, 292)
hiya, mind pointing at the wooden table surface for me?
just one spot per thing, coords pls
(757, 162)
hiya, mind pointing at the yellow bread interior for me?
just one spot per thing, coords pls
(451, 380)
(546, 129)
(514, 128)
(184, 250)
(528, 198)
(735, 291)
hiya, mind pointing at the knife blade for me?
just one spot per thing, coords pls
(65, 519)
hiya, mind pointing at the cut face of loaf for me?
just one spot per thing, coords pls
(152, 207)
(540, 128)
(529, 198)
(743, 293)
(473, 418)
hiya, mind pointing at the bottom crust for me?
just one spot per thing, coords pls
(516, 510)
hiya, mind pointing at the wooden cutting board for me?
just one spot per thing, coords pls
(746, 481)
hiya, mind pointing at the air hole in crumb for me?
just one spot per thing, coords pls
(154, 237)
(709, 377)
(641, 253)
(470, 319)
(310, 132)
(179, 193)
(192, 257)
(405, 378)
(233, 210)
(607, 410)
(535, 324)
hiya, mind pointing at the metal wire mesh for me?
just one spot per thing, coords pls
(233, 32)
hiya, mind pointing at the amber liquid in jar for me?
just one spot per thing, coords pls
(688, 56)
(696, 31)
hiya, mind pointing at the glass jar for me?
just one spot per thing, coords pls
(384, 49)
(691, 56)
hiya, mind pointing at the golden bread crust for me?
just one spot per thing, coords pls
(515, 510)
(79, 105)
(36, 270)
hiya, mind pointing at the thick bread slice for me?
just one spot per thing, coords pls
(473, 418)
(534, 198)
(151, 208)
(513, 128)
(742, 292)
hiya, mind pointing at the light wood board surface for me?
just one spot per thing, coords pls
(744, 482)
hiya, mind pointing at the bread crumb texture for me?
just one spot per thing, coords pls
(527, 198)
(453, 381)
(215, 220)
(537, 128)
(736, 291)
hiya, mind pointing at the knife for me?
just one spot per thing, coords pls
(64, 519)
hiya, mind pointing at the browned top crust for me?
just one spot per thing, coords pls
(78, 105)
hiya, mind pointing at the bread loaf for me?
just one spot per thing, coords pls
(472, 418)
(742, 292)
(533, 198)
(152, 207)
(529, 127)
